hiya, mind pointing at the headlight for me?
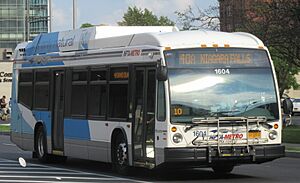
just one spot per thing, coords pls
(273, 135)
(177, 138)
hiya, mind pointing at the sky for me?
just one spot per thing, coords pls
(110, 12)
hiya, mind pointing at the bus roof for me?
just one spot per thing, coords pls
(103, 37)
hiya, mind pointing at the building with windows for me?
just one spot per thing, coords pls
(22, 20)
(232, 13)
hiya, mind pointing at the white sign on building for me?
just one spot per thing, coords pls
(5, 79)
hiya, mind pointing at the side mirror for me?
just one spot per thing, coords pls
(287, 106)
(161, 71)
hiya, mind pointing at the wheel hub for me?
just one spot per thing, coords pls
(122, 153)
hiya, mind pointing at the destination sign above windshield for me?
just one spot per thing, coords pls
(212, 57)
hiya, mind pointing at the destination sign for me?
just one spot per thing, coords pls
(119, 74)
(217, 58)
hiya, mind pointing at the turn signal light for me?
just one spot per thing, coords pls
(275, 126)
(173, 129)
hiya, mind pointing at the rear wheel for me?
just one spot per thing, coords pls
(223, 169)
(40, 146)
(120, 155)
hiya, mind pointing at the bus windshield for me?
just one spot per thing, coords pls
(220, 83)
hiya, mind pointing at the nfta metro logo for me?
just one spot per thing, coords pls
(233, 136)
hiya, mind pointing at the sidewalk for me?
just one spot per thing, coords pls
(292, 150)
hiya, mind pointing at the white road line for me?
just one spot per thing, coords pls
(36, 172)
(45, 167)
(9, 144)
(16, 165)
(29, 168)
(32, 181)
(60, 177)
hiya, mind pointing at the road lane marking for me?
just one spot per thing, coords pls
(60, 178)
(8, 144)
(10, 171)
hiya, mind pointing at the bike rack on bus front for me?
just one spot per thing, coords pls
(231, 121)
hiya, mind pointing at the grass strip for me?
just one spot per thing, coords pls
(291, 134)
(4, 128)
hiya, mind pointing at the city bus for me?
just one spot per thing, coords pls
(151, 97)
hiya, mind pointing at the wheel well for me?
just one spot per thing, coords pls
(114, 135)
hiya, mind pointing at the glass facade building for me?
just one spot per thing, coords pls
(22, 20)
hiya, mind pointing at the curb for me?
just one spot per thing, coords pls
(292, 154)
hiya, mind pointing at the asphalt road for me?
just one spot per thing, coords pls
(75, 170)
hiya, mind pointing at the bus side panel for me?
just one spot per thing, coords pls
(98, 145)
(28, 123)
(76, 137)
(16, 120)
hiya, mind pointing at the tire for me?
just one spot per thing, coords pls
(222, 169)
(41, 146)
(120, 155)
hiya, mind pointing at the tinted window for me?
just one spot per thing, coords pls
(26, 77)
(42, 76)
(25, 95)
(79, 76)
(79, 93)
(41, 96)
(79, 101)
(41, 90)
(161, 103)
(118, 100)
(25, 89)
(98, 75)
(97, 100)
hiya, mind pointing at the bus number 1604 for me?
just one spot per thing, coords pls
(222, 71)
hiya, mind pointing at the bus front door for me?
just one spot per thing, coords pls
(58, 114)
(144, 110)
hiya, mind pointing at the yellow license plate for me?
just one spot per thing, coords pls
(254, 135)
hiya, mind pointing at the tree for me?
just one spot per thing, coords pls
(201, 19)
(138, 17)
(277, 24)
(285, 72)
(86, 25)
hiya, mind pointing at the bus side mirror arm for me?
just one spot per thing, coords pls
(161, 71)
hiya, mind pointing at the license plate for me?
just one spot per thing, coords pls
(254, 134)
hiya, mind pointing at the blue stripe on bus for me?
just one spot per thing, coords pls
(45, 117)
(43, 43)
(76, 129)
(58, 63)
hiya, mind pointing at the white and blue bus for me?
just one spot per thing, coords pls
(147, 97)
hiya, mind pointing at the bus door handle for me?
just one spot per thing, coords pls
(106, 124)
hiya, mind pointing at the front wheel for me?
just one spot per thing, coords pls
(120, 155)
(40, 146)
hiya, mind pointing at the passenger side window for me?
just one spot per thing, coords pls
(25, 88)
(79, 93)
(118, 93)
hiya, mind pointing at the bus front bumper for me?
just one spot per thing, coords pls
(205, 156)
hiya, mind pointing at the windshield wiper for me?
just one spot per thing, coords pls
(224, 112)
